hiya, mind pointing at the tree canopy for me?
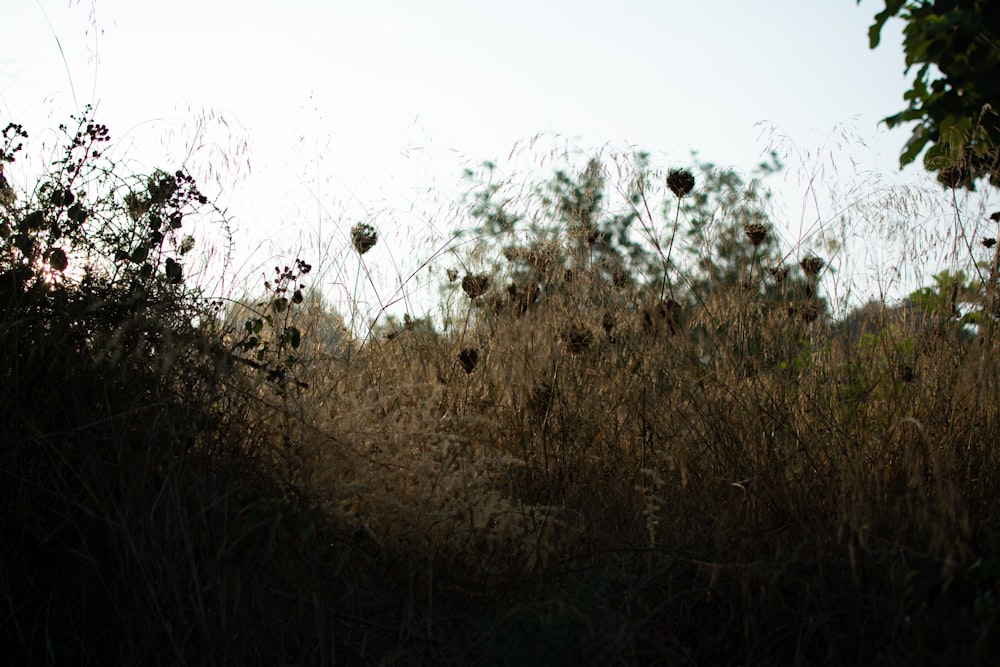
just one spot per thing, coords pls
(955, 44)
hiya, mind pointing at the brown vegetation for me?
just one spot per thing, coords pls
(676, 466)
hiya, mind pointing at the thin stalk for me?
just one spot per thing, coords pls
(670, 249)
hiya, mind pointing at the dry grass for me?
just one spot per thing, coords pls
(578, 463)
(620, 478)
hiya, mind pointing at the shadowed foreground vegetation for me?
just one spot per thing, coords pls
(633, 436)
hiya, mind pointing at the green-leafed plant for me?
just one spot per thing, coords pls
(956, 48)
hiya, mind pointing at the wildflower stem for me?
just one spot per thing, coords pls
(670, 249)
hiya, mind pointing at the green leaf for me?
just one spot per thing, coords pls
(892, 8)
(914, 145)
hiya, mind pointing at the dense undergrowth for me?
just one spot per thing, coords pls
(606, 451)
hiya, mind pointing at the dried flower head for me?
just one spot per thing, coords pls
(680, 182)
(468, 357)
(522, 296)
(540, 399)
(57, 260)
(989, 242)
(906, 373)
(811, 265)
(779, 273)
(995, 216)
(577, 338)
(364, 237)
(662, 313)
(608, 323)
(807, 311)
(513, 253)
(542, 256)
(756, 232)
(475, 285)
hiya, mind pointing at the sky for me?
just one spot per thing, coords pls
(302, 118)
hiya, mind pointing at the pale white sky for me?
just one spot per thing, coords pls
(343, 110)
